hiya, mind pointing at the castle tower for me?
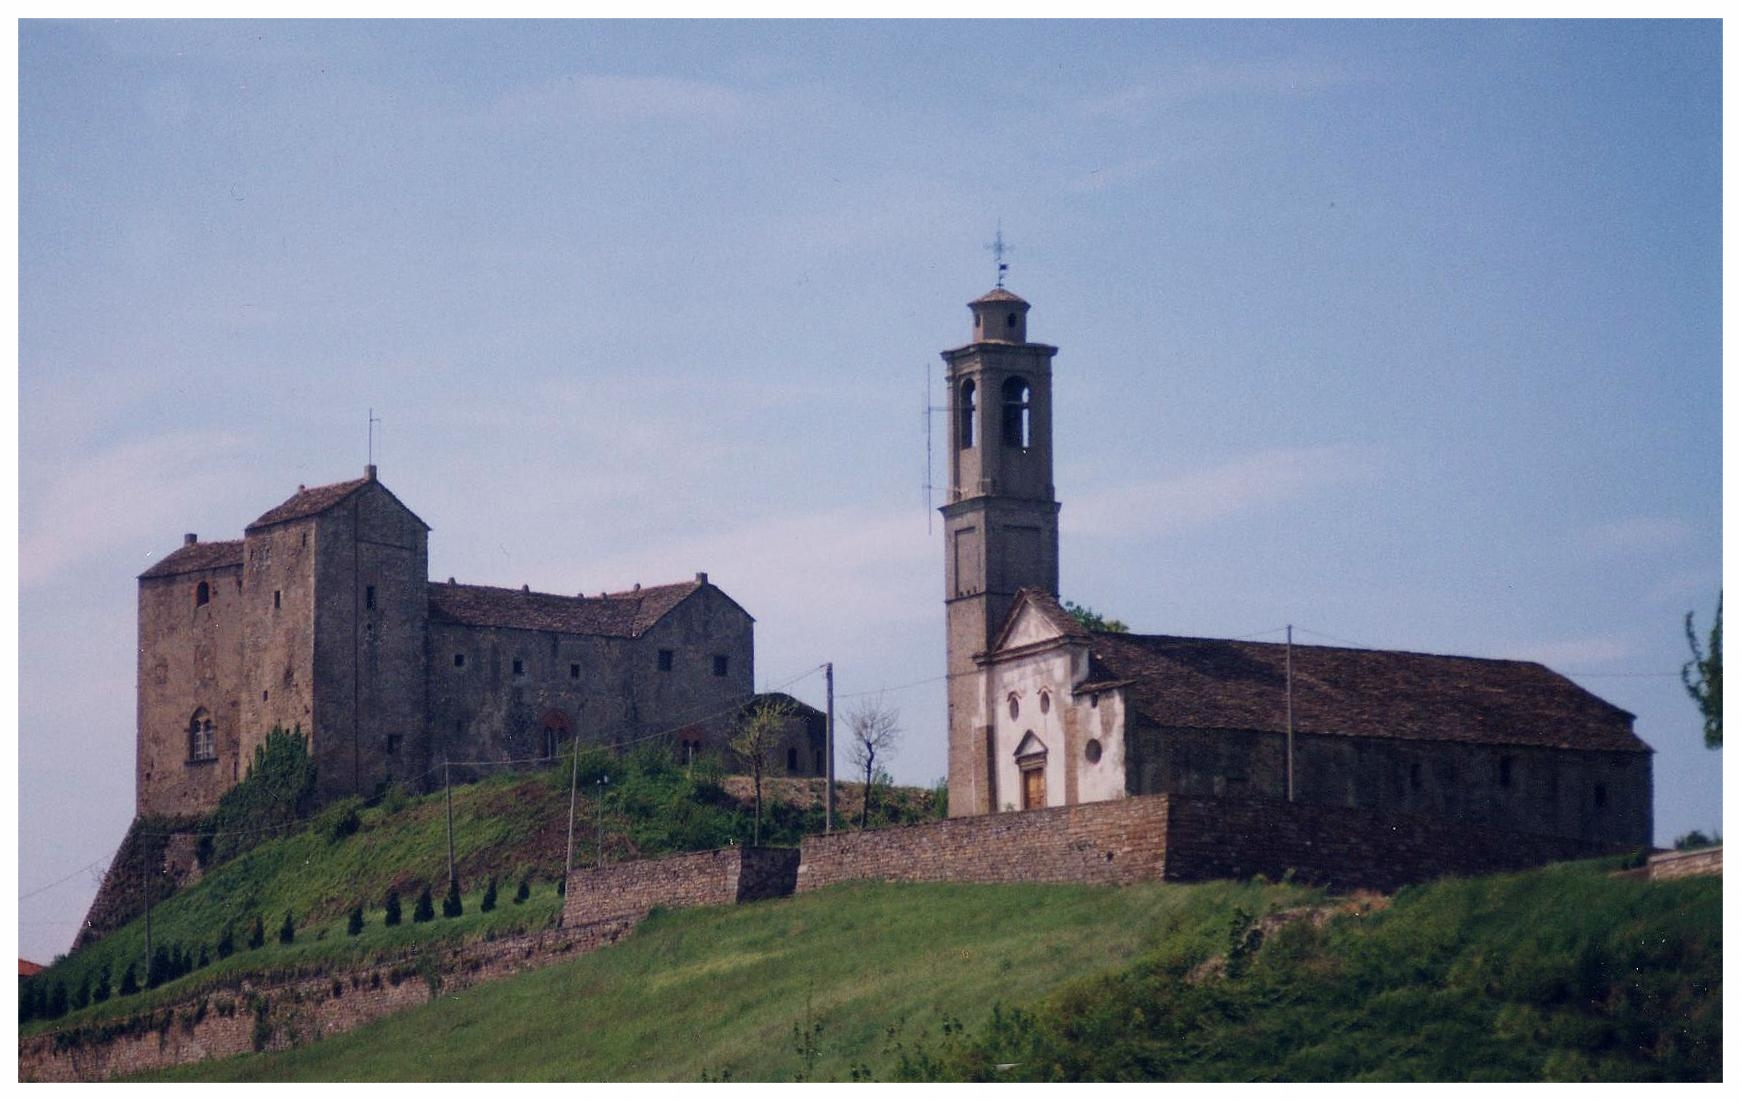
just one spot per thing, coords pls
(1001, 521)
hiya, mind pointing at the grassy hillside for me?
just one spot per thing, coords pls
(1561, 973)
(512, 826)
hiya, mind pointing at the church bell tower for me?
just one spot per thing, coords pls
(1000, 526)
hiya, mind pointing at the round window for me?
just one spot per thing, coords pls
(1015, 707)
(1045, 702)
(1092, 751)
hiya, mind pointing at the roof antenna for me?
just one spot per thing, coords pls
(999, 250)
(373, 421)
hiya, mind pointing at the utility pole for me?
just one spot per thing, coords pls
(146, 981)
(828, 804)
(447, 782)
(598, 861)
(1290, 712)
(573, 782)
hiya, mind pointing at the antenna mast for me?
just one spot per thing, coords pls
(373, 421)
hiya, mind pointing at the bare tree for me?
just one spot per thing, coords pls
(756, 740)
(875, 732)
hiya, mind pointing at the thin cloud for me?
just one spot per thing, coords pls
(1204, 497)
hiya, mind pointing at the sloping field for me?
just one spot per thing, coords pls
(1563, 973)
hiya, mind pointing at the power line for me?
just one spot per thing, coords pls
(70, 875)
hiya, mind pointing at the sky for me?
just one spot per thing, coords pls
(1406, 334)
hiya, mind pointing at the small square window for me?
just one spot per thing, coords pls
(459, 661)
(574, 671)
(665, 659)
(720, 664)
(519, 668)
(392, 743)
(369, 597)
(278, 598)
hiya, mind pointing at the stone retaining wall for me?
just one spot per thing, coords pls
(718, 877)
(235, 1018)
(1123, 841)
(1342, 847)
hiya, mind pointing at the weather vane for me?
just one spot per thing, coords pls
(999, 250)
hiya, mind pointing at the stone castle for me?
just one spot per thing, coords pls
(1044, 713)
(323, 617)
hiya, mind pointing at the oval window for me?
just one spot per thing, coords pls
(1092, 751)
(1015, 707)
(1045, 703)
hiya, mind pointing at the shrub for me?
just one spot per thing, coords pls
(562, 887)
(257, 933)
(129, 984)
(205, 959)
(489, 900)
(57, 1001)
(354, 926)
(227, 943)
(287, 931)
(277, 792)
(451, 906)
(101, 993)
(393, 915)
(82, 996)
(524, 890)
(425, 910)
(342, 821)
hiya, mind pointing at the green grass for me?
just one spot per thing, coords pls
(507, 826)
(1563, 973)
(719, 992)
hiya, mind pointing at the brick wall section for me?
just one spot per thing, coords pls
(299, 1010)
(719, 877)
(1122, 841)
(1342, 847)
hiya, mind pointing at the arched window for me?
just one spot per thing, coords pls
(202, 743)
(555, 727)
(202, 594)
(1017, 416)
(965, 412)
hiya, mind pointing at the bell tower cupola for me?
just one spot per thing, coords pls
(1001, 519)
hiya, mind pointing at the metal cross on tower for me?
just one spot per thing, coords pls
(999, 250)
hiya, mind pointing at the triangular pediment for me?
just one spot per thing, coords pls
(1030, 746)
(1034, 619)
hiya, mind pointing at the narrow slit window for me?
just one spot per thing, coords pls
(965, 413)
(277, 598)
(519, 668)
(666, 658)
(1017, 414)
(369, 597)
(202, 594)
(791, 760)
(574, 671)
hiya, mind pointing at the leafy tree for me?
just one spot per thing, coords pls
(129, 984)
(287, 931)
(354, 926)
(1092, 620)
(82, 996)
(1694, 840)
(755, 742)
(393, 915)
(57, 1001)
(451, 906)
(257, 933)
(227, 943)
(1703, 677)
(205, 959)
(489, 900)
(277, 792)
(102, 991)
(425, 910)
(874, 731)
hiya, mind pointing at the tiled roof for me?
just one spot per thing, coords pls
(1229, 685)
(998, 294)
(193, 557)
(616, 615)
(309, 502)
(26, 968)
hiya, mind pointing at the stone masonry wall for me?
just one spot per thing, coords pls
(248, 1016)
(719, 877)
(1122, 841)
(1231, 838)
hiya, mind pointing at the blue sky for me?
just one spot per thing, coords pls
(1408, 334)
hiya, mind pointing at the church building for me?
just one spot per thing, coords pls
(1044, 712)
(322, 616)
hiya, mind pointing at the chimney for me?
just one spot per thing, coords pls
(189, 539)
(525, 588)
(451, 581)
(300, 488)
(637, 586)
(369, 472)
(701, 578)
